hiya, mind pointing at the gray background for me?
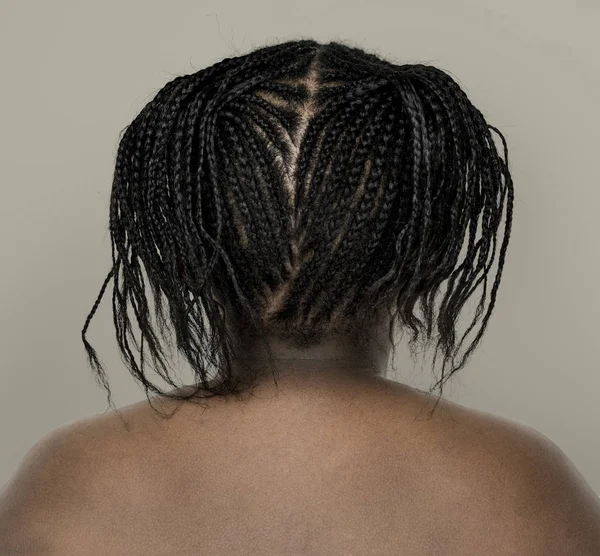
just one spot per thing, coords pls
(75, 73)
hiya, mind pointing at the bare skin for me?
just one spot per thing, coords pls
(335, 460)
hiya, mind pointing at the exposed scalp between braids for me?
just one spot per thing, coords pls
(300, 189)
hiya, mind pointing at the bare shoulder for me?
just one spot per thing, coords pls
(71, 484)
(517, 486)
(491, 481)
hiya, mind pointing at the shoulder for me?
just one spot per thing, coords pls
(70, 482)
(518, 487)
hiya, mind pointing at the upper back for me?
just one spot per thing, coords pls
(373, 473)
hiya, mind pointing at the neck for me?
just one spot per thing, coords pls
(339, 357)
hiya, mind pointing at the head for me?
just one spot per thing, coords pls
(303, 192)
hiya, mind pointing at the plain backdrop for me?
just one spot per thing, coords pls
(75, 73)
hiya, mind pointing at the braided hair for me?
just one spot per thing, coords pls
(298, 189)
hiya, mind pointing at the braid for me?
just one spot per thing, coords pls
(296, 189)
(331, 212)
(357, 231)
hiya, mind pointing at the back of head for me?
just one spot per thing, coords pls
(299, 190)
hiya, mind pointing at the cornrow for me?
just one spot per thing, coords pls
(298, 189)
(329, 211)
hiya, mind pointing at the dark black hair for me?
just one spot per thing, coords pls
(299, 189)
